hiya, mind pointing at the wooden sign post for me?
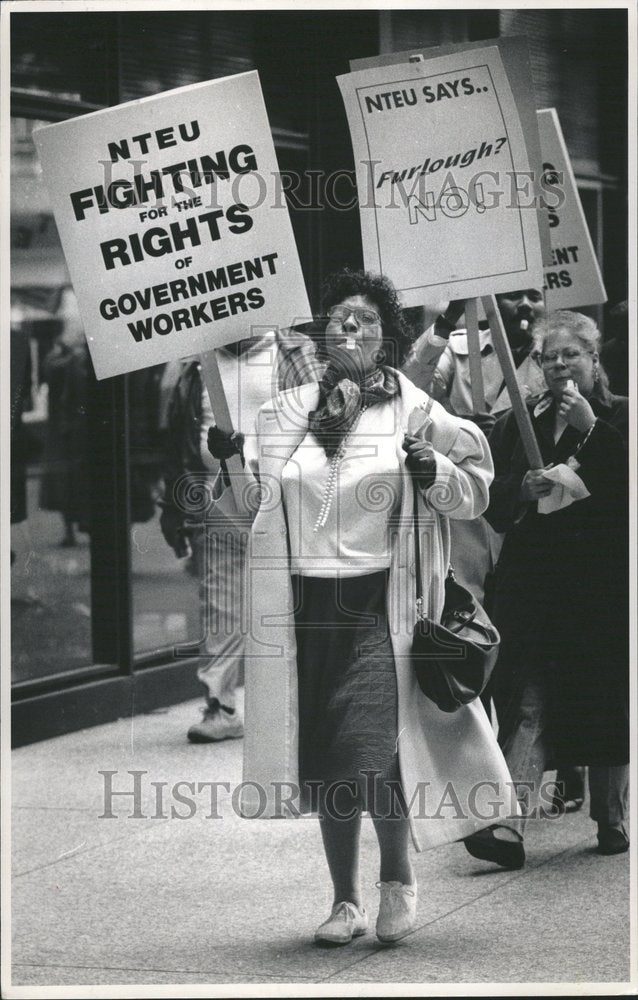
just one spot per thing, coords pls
(219, 405)
(508, 368)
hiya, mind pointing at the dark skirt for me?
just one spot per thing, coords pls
(347, 683)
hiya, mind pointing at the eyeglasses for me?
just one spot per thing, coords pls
(364, 317)
(570, 355)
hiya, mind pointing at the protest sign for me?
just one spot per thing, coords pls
(574, 278)
(440, 155)
(172, 219)
(514, 52)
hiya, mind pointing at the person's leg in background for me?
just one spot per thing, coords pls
(570, 788)
(520, 700)
(220, 555)
(609, 806)
(522, 737)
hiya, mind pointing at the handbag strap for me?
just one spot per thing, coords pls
(417, 543)
(417, 549)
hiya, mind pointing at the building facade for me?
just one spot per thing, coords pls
(100, 605)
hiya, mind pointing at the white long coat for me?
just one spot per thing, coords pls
(452, 770)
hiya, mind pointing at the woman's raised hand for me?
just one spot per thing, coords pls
(575, 409)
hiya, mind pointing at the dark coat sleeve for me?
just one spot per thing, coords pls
(510, 465)
(181, 446)
(603, 456)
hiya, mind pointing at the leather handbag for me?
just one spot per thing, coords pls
(453, 658)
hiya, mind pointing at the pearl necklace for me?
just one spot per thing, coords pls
(331, 484)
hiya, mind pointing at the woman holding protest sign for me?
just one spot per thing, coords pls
(561, 600)
(334, 716)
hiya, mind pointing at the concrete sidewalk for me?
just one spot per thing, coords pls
(212, 901)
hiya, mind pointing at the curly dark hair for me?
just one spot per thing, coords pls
(397, 335)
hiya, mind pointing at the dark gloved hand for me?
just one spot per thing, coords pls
(420, 460)
(483, 420)
(174, 532)
(446, 322)
(222, 445)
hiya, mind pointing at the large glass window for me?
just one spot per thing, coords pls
(82, 74)
(51, 377)
(166, 611)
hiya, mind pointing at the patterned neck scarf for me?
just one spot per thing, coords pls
(341, 400)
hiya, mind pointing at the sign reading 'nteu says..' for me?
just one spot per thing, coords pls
(443, 176)
(574, 278)
(173, 224)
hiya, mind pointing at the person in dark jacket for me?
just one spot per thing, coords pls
(561, 600)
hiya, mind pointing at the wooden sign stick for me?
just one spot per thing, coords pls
(474, 356)
(508, 368)
(219, 404)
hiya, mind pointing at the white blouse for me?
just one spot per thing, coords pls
(339, 509)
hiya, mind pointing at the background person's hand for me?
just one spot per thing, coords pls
(575, 409)
(222, 444)
(535, 486)
(449, 317)
(455, 310)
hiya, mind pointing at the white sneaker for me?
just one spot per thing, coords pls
(345, 922)
(216, 724)
(397, 910)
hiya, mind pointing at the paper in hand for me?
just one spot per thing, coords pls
(568, 488)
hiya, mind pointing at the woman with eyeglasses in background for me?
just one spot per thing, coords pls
(561, 605)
